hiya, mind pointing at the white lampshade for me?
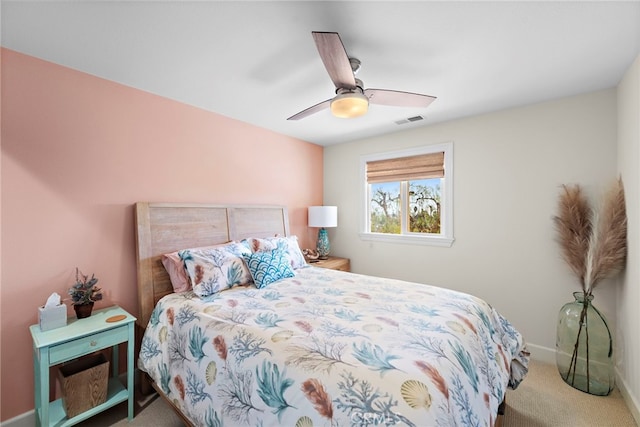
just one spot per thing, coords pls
(323, 216)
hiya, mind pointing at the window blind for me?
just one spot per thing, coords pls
(422, 166)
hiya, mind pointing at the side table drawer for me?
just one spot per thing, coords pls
(85, 345)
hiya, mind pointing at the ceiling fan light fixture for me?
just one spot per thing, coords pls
(349, 105)
(352, 99)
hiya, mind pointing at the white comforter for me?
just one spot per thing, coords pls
(328, 348)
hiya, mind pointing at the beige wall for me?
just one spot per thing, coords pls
(78, 152)
(508, 167)
(628, 301)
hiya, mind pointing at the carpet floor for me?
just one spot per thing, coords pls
(541, 400)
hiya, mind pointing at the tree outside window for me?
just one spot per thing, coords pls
(424, 206)
(385, 208)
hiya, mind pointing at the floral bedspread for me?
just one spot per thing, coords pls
(329, 348)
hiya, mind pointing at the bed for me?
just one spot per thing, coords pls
(316, 348)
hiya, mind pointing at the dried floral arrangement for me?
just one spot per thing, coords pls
(594, 244)
(593, 241)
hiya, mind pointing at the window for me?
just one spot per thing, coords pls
(408, 195)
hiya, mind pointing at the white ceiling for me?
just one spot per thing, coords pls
(257, 62)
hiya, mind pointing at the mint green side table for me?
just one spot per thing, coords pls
(78, 338)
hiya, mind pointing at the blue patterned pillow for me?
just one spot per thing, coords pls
(268, 267)
(214, 269)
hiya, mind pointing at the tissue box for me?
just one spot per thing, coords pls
(52, 317)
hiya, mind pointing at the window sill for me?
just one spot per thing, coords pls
(441, 241)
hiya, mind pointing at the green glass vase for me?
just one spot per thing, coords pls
(584, 347)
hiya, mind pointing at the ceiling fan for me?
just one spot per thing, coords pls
(351, 99)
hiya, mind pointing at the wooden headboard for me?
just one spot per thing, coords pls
(167, 227)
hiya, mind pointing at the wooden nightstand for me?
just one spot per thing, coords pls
(334, 263)
(78, 338)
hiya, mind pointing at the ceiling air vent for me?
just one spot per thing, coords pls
(409, 120)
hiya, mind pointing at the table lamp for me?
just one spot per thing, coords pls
(323, 216)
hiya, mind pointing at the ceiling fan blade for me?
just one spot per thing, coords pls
(397, 98)
(311, 110)
(335, 59)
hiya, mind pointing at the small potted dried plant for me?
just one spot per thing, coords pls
(84, 293)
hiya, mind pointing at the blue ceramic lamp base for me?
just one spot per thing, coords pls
(323, 246)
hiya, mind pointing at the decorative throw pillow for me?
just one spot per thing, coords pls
(176, 269)
(288, 244)
(256, 244)
(269, 267)
(216, 269)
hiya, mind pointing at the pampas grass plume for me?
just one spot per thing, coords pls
(573, 224)
(593, 242)
(608, 248)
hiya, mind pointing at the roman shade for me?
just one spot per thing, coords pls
(422, 166)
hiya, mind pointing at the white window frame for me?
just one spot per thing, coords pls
(445, 238)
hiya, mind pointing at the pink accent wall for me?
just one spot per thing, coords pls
(77, 153)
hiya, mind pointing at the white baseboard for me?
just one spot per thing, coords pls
(632, 401)
(542, 354)
(28, 419)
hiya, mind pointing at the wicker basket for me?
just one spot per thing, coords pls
(84, 383)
